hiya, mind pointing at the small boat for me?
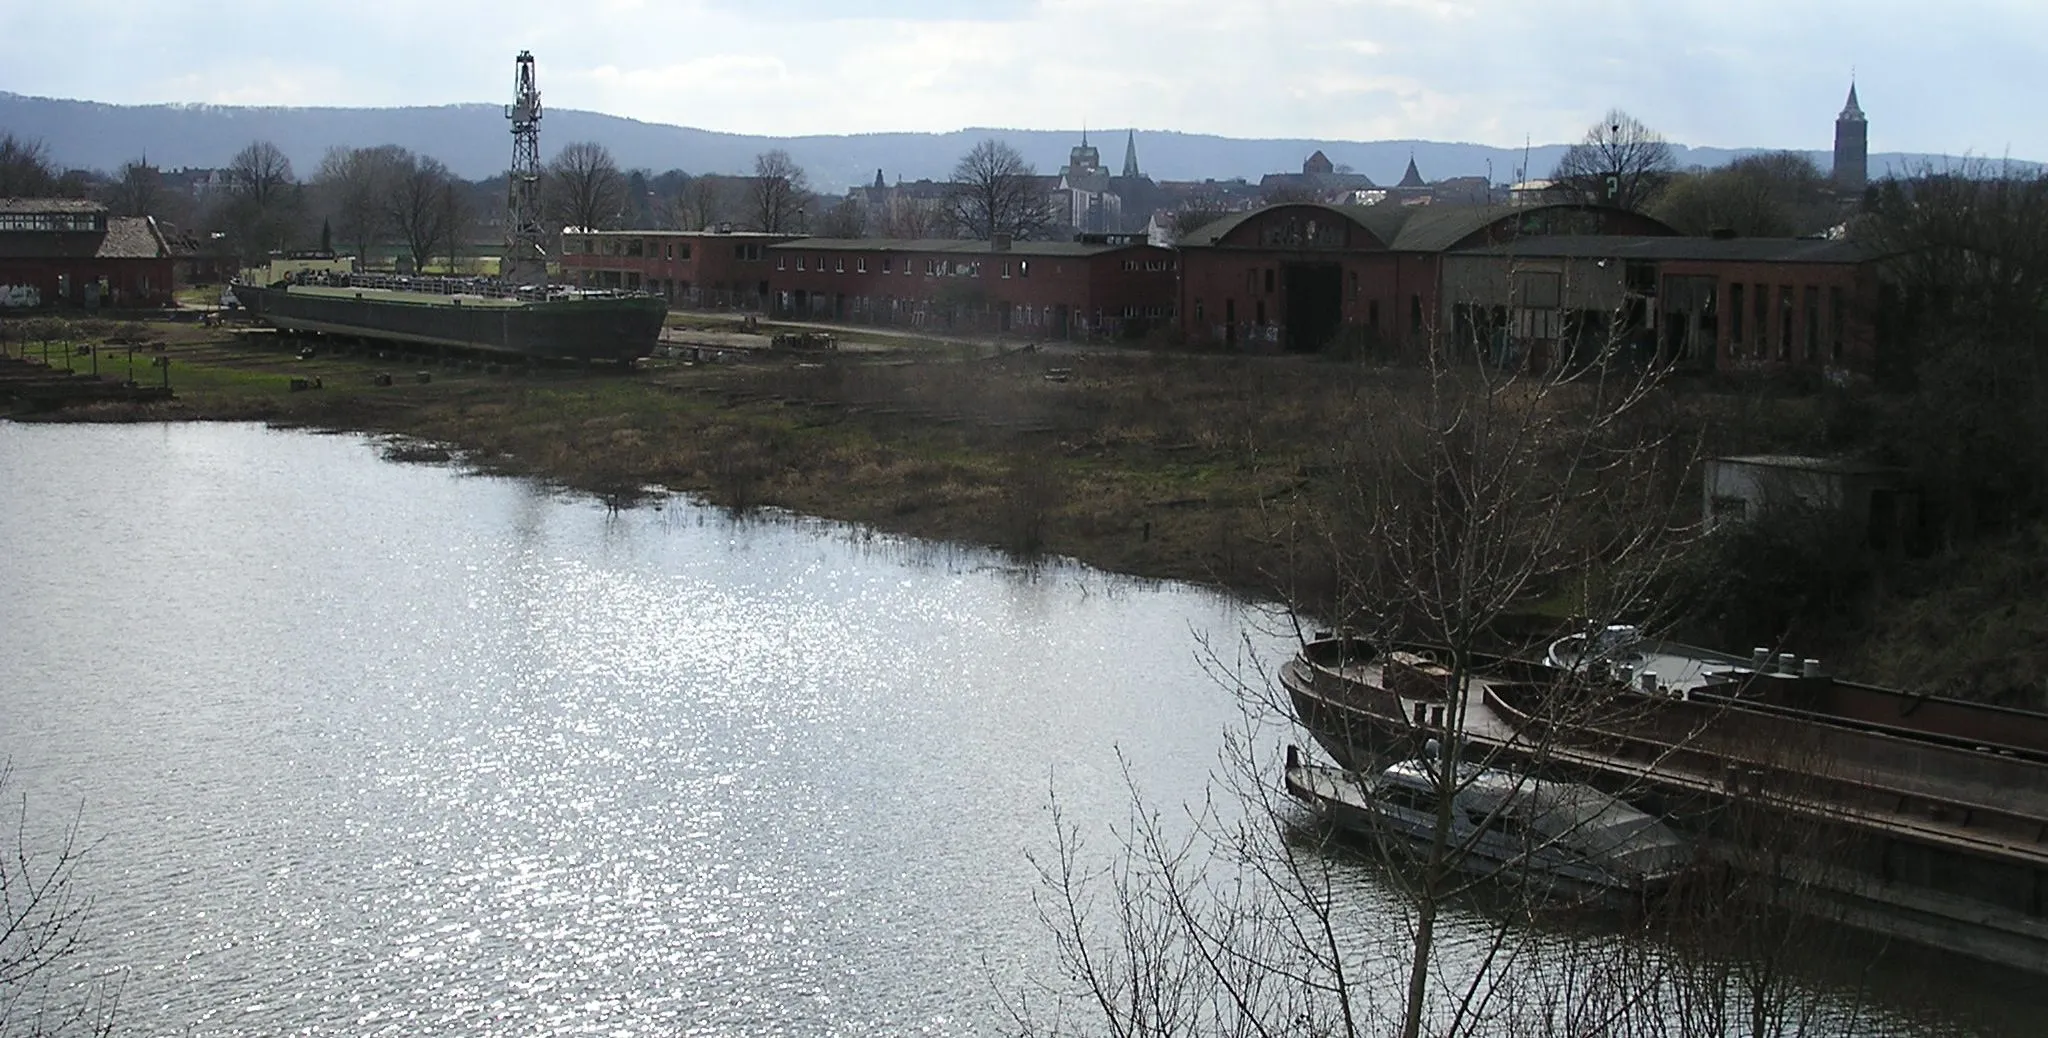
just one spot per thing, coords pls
(1503, 824)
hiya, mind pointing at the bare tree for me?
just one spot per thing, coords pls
(136, 191)
(264, 204)
(1774, 194)
(778, 193)
(584, 188)
(846, 219)
(1620, 162)
(43, 914)
(355, 187)
(996, 192)
(25, 168)
(1462, 495)
(906, 217)
(421, 206)
(701, 202)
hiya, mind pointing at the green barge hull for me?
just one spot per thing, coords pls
(558, 326)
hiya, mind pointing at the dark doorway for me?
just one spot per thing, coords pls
(1313, 303)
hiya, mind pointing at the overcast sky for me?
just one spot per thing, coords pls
(1960, 77)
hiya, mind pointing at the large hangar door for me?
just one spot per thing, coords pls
(1314, 304)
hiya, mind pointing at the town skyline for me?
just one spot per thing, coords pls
(1363, 70)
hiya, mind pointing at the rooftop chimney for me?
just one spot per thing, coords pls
(1000, 242)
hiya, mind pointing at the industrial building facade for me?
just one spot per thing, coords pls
(714, 269)
(1104, 286)
(70, 252)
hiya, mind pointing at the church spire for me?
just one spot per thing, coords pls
(1131, 154)
(1413, 177)
(1851, 112)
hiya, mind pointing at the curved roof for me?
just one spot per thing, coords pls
(1422, 228)
(1381, 225)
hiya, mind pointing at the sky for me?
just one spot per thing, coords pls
(1958, 78)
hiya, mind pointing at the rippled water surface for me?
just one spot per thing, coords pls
(384, 749)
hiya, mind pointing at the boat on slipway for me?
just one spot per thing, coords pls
(1504, 825)
(1917, 816)
(546, 322)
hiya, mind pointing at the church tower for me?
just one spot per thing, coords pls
(1852, 147)
(1131, 155)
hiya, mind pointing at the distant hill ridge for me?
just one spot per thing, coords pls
(475, 141)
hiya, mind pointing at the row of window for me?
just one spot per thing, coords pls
(1762, 333)
(933, 268)
(52, 222)
(744, 252)
(1153, 265)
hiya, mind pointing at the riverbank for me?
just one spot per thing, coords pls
(1171, 466)
(1153, 465)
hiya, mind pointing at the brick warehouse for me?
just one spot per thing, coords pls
(60, 251)
(1706, 304)
(1300, 276)
(688, 268)
(1103, 286)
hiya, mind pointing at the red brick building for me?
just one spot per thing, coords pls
(1302, 276)
(1707, 304)
(689, 268)
(60, 251)
(1104, 286)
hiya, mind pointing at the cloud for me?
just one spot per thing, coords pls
(1731, 72)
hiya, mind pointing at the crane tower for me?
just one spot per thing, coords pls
(526, 258)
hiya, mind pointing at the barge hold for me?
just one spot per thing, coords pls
(1916, 816)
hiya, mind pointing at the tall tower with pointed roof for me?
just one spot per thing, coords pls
(1131, 154)
(1852, 147)
(1413, 177)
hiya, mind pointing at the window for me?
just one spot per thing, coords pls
(860, 264)
(799, 264)
(1006, 268)
(1784, 322)
(886, 262)
(1354, 284)
(1762, 312)
(1130, 264)
(839, 265)
(1269, 279)
(1372, 315)
(1837, 317)
(1198, 311)
(636, 247)
(1812, 301)
(668, 251)
(781, 262)
(1734, 317)
(683, 251)
(1023, 268)
(1415, 312)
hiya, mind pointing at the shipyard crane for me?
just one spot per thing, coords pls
(526, 259)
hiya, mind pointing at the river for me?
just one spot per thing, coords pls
(377, 748)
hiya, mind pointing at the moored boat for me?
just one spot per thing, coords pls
(1911, 815)
(1505, 825)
